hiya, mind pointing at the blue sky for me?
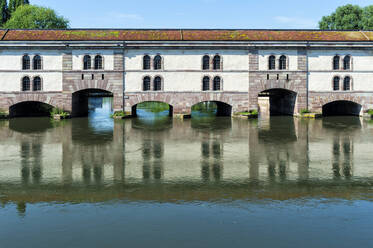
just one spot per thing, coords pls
(267, 14)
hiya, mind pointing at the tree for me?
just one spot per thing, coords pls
(367, 18)
(3, 11)
(35, 17)
(14, 4)
(347, 17)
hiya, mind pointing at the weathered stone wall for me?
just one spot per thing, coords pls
(182, 102)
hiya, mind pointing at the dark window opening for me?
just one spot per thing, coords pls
(283, 62)
(336, 83)
(103, 76)
(146, 84)
(272, 62)
(146, 62)
(206, 62)
(347, 62)
(26, 62)
(87, 62)
(157, 62)
(217, 62)
(37, 62)
(37, 84)
(82, 76)
(347, 83)
(217, 82)
(93, 76)
(336, 62)
(98, 62)
(157, 83)
(206, 84)
(26, 84)
(267, 76)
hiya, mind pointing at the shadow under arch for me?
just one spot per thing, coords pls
(155, 107)
(277, 101)
(341, 108)
(80, 104)
(153, 124)
(206, 108)
(30, 109)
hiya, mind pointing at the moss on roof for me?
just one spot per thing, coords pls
(186, 35)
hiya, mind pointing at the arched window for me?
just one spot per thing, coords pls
(336, 62)
(217, 82)
(283, 62)
(157, 83)
(336, 83)
(26, 84)
(347, 83)
(146, 84)
(26, 62)
(36, 84)
(347, 62)
(98, 62)
(87, 62)
(206, 83)
(157, 62)
(272, 62)
(206, 62)
(37, 62)
(216, 62)
(146, 62)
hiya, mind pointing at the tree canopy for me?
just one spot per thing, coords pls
(35, 17)
(3, 11)
(349, 17)
(14, 4)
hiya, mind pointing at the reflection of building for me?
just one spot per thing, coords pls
(184, 162)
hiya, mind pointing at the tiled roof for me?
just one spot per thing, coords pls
(183, 35)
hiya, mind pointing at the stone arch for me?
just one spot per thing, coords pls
(134, 108)
(91, 84)
(32, 97)
(277, 101)
(79, 100)
(30, 107)
(342, 107)
(338, 97)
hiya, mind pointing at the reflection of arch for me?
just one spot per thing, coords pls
(29, 109)
(277, 101)
(341, 107)
(134, 107)
(37, 125)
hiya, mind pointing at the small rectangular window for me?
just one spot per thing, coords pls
(267, 76)
(278, 76)
(103, 76)
(82, 76)
(287, 77)
(93, 76)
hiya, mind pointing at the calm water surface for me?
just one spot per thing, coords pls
(205, 182)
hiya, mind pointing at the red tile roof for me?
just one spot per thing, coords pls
(183, 35)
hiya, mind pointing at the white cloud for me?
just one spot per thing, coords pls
(296, 22)
(127, 16)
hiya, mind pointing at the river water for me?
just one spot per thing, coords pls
(204, 182)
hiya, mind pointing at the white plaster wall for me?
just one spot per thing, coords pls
(12, 59)
(188, 81)
(11, 81)
(322, 60)
(323, 81)
(291, 54)
(78, 55)
(188, 59)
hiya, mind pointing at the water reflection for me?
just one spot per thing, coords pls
(208, 157)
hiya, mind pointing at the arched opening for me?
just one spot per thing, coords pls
(341, 108)
(146, 62)
(336, 60)
(277, 102)
(87, 62)
(92, 102)
(210, 109)
(206, 62)
(152, 110)
(30, 109)
(272, 62)
(282, 65)
(37, 62)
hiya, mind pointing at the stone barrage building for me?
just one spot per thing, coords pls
(276, 71)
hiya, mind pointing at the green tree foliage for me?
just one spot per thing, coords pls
(367, 18)
(3, 11)
(35, 17)
(347, 17)
(14, 4)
